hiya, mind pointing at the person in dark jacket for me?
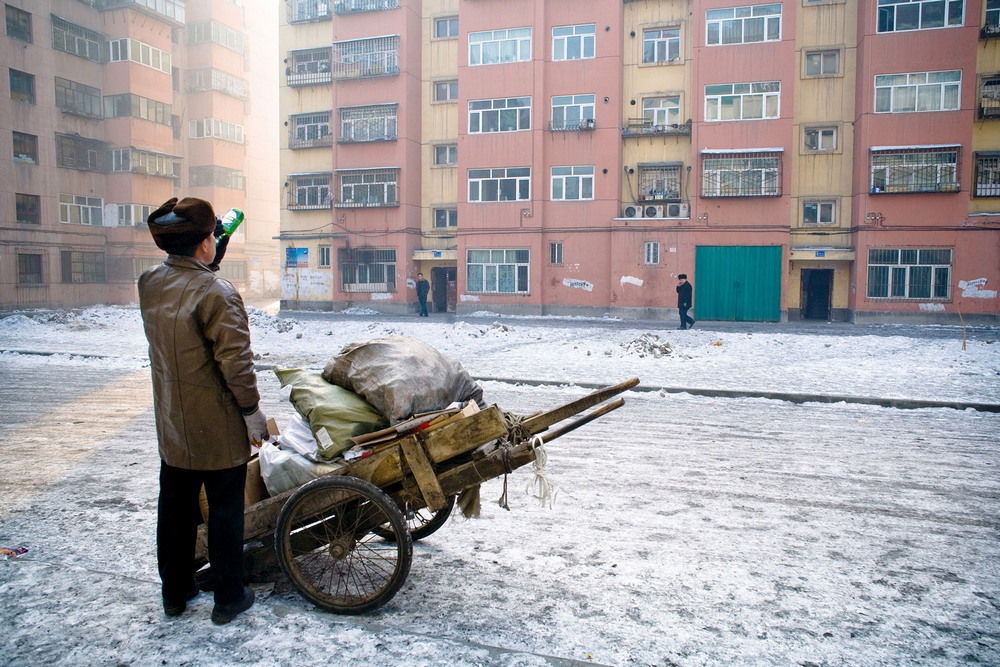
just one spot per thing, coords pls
(423, 289)
(685, 295)
(205, 401)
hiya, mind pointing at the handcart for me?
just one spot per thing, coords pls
(345, 540)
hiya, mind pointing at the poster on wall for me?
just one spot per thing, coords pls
(296, 258)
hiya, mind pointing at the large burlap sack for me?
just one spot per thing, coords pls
(401, 376)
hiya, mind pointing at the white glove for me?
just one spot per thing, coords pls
(256, 426)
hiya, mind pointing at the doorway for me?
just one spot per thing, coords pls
(817, 292)
(444, 288)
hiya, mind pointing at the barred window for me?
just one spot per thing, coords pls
(909, 170)
(310, 67)
(369, 188)
(987, 174)
(82, 267)
(502, 184)
(368, 123)
(501, 115)
(651, 252)
(989, 96)
(909, 273)
(352, 6)
(306, 11)
(750, 174)
(309, 191)
(742, 101)
(78, 99)
(81, 210)
(900, 15)
(367, 269)
(497, 271)
(660, 182)
(556, 252)
(743, 25)
(364, 58)
(492, 47)
(77, 40)
(310, 130)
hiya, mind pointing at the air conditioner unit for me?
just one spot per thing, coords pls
(678, 211)
(632, 211)
(650, 211)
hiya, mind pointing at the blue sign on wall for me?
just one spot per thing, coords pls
(296, 258)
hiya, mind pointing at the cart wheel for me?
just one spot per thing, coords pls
(326, 547)
(421, 522)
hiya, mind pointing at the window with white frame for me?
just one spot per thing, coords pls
(661, 45)
(310, 130)
(492, 47)
(446, 154)
(376, 122)
(130, 215)
(573, 42)
(501, 184)
(918, 91)
(368, 188)
(572, 183)
(309, 191)
(651, 252)
(819, 212)
(126, 49)
(820, 139)
(741, 174)
(909, 273)
(742, 101)
(203, 32)
(324, 256)
(445, 217)
(509, 114)
(992, 25)
(309, 67)
(81, 210)
(825, 62)
(204, 80)
(215, 176)
(365, 58)
(914, 169)
(446, 27)
(573, 112)
(76, 40)
(367, 269)
(445, 91)
(743, 25)
(660, 181)
(556, 252)
(497, 271)
(900, 15)
(215, 128)
(661, 111)
(987, 174)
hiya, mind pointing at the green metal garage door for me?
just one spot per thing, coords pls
(738, 283)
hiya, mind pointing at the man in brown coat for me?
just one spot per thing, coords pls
(205, 401)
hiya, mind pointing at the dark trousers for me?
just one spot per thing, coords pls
(686, 320)
(423, 307)
(177, 518)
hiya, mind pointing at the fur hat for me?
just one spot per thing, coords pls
(682, 276)
(178, 225)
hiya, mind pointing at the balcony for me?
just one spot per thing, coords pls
(586, 125)
(307, 11)
(359, 6)
(172, 11)
(990, 31)
(641, 127)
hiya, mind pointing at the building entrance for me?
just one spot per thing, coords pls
(444, 288)
(817, 292)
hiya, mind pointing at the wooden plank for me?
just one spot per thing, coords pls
(542, 421)
(420, 465)
(464, 435)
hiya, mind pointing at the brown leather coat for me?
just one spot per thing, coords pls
(202, 364)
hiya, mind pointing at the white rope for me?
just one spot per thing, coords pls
(540, 486)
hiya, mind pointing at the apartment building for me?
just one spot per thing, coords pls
(804, 159)
(115, 106)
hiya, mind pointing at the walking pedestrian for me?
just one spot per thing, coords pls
(685, 296)
(423, 289)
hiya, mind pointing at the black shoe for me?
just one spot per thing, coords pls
(682, 327)
(177, 608)
(223, 613)
(691, 326)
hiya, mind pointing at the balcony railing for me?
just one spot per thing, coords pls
(990, 31)
(357, 6)
(640, 127)
(572, 125)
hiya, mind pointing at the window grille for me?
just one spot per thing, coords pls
(357, 6)
(204, 32)
(367, 123)
(77, 40)
(660, 182)
(310, 67)
(369, 188)
(497, 271)
(987, 174)
(909, 273)
(750, 174)
(989, 97)
(651, 252)
(309, 191)
(910, 170)
(366, 58)
(307, 11)
(367, 269)
(556, 252)
(80, 153)
(309, 130)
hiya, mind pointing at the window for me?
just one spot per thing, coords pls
(900, 15)
(80, 210)
(497, 271)
(29, 269)
(742, 101)
(446, 27)
(365, 58)
(125, 49)
(367, 123)
(78, 99)
(504, 184)
(82, 267)
(573, 42)
(445, 91)
(987, 174)
(22, 86)
(992, 26)
(918, 91)
(503, 115)
(660, 181)
(909, 273)
(309, 191)
(18, 24)
(661, 111)
(76, 152)
(743, 25)
(661, 46)
(305, 11)
(445, 217)
(909, 170)
(76, 40)
(310, 67)
(989, 96)
(651, 252)
(446, 154)
(750, 174)
(310, 130)
(367, 269)
(820, 139)
(206, 80)
(823, 63)
(215, 128)
(130, 215)
(324, 256)
(118, 106)
(573, 112)
(369, 188)
(25, 148)
(352, 6)
(556, 252)
(572, 183)
(212, 176)
(818, 212)
(205, 32)
(28, 208)
(493, 47)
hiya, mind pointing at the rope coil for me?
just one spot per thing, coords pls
(540, 486)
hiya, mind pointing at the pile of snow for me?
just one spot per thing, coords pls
(648, 345)
(261, 320)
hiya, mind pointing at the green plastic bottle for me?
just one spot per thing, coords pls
(231, 221)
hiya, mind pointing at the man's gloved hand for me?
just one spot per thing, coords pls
(256, 426)
(220, 249)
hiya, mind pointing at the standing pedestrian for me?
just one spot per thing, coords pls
(423, 289)
(205, 403)
(685, 295)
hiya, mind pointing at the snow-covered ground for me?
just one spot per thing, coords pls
(687, 530)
